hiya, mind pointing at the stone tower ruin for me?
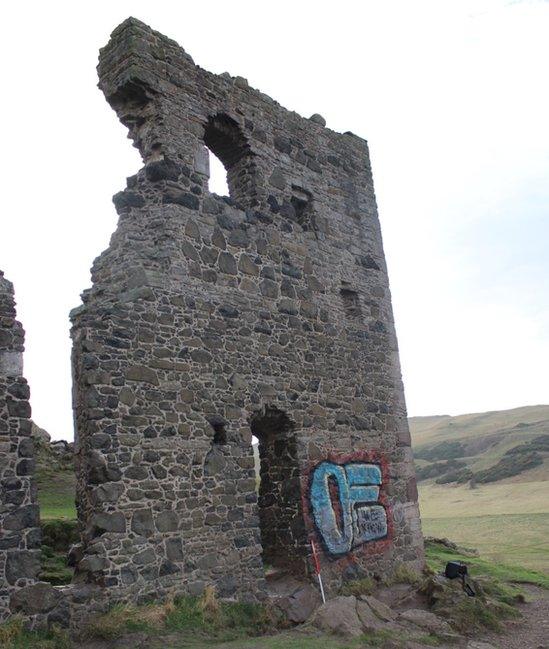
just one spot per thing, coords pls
(212, 319)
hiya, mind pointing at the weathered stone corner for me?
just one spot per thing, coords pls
(19, 516)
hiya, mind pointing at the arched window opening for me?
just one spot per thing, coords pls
(230, 157)
(283, 535)
(217, 181)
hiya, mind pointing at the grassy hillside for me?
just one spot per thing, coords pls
(483, 448)
(440, 428)
(499, 499)
(56, 483)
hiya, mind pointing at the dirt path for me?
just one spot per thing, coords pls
(531, 632)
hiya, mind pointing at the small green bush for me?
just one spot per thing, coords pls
(438, 469)
(59, 534)
(441, 451)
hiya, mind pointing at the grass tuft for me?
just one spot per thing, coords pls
(13, 635)
(403, 574)
(209, 603)
(356, 587)
(202, 617)
(11, 630)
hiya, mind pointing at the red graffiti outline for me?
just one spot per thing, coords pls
(368, 548)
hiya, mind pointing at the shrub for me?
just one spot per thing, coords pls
(437, 469)
(509, 466)
(540, 443)
(459, 475)
(59, 534)
(441, 451)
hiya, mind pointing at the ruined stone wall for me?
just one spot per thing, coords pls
(19, 516)
(211, 318)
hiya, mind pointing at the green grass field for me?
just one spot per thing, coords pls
(508, 523)
(56, 495)
(519, 539)
(448, 501)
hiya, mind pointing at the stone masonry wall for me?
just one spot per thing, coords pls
(211, 318)
(19, 515)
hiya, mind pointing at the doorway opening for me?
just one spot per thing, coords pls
(283, 534)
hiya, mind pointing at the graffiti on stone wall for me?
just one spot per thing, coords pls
(345, 505)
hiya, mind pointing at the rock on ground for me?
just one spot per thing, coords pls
(426, 620)
(296, 600)
(382, 611)
(339, 616)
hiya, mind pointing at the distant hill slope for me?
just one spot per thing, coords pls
(481, 448)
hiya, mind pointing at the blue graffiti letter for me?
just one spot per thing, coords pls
(337, 541)
(363, 518)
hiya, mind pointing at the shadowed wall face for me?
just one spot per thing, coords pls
(283, 535)
(211, 318)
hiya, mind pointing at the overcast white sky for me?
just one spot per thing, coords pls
(453, 98)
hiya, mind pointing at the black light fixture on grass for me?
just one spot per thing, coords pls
(455, 569)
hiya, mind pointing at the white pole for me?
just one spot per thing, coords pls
(321, 588)
(316, 562)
